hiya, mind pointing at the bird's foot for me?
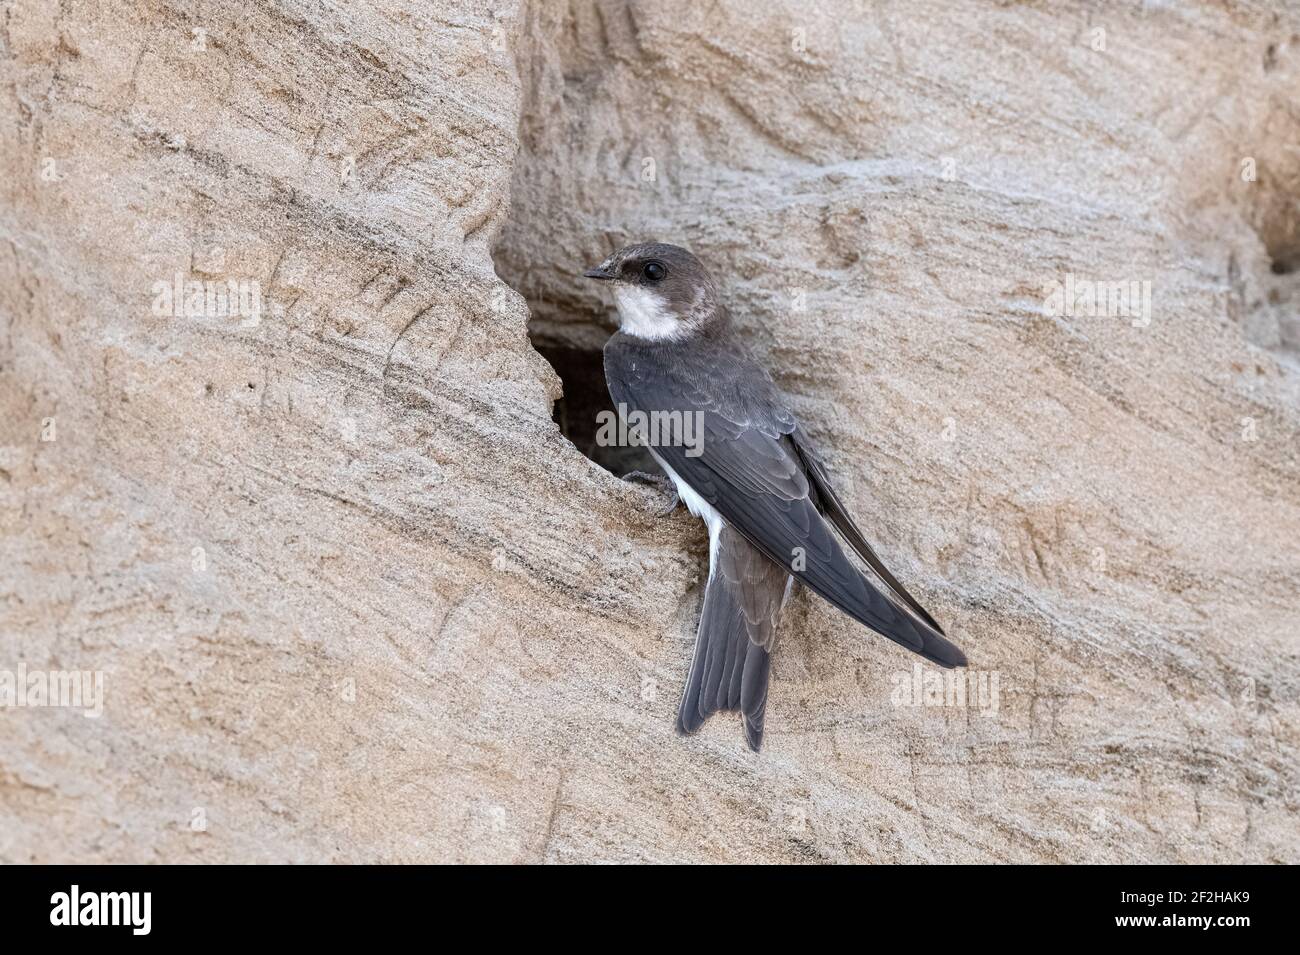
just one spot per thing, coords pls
(660, 481)
(645, 477)
(670, 506)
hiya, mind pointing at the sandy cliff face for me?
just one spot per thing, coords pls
(354, 595)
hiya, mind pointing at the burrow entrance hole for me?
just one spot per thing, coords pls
(578, 360)
(1270, 292)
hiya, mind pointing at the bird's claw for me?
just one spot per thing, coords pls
(660, 481)
(670, 506)
(645, 477)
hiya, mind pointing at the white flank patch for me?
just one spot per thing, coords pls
(644, 314)
(697, 506)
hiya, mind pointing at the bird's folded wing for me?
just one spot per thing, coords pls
(759, 488)
(743, 463)
(833, 508)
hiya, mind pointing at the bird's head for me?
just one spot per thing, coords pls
(663, 292)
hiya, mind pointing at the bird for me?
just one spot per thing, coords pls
(752, 475)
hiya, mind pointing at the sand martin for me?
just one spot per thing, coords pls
(754, 479)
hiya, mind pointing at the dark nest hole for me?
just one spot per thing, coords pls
(1268, 296)
(1282, 288)
(569, 319)
(577, 359)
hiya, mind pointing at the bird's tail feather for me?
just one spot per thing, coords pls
(737, 630)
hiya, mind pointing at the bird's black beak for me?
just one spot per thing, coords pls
(599, 274)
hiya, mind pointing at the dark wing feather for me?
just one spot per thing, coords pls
(832, 507)
(737, 631)
(750, 473)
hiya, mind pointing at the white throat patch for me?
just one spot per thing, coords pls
(644, 314)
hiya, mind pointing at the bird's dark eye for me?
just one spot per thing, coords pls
(654, 271)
